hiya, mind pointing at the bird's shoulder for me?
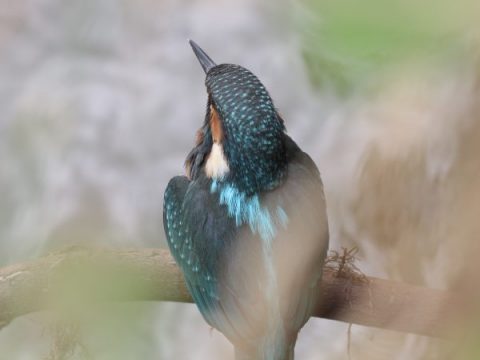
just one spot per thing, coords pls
(299, 160)
(197, 226)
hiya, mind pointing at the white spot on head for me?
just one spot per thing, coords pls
(217, 166)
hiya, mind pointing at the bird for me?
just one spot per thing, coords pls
(247, 224)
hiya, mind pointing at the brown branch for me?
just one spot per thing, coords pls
(83, 275)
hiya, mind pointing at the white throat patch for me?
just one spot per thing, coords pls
(217, 166)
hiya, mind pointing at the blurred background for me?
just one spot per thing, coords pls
(100, 101)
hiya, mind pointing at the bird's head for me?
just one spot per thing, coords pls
(242, 140)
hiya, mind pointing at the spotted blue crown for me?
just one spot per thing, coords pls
(254, 141)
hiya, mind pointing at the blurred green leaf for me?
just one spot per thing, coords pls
(345, 42)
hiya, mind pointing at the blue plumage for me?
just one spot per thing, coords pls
(254, 147)
(247, 225)
(248, 210)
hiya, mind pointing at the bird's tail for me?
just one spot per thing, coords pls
(278, 351)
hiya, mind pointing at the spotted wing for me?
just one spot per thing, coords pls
(199, 234)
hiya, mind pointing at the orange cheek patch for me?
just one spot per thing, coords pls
(216, 125)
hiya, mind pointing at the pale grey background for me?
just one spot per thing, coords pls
(99, 104)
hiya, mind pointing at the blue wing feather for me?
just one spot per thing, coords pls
(199, 232)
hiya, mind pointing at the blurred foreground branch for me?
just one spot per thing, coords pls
(83, 275)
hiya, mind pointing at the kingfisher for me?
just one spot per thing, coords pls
(247, 225)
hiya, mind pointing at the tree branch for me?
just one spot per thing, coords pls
(82, 275)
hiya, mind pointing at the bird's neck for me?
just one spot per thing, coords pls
(253, 169)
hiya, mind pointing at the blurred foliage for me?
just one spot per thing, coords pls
(65, 341)
(469, 345)
(345, 42)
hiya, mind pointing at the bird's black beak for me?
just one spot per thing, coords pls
(202, 57)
